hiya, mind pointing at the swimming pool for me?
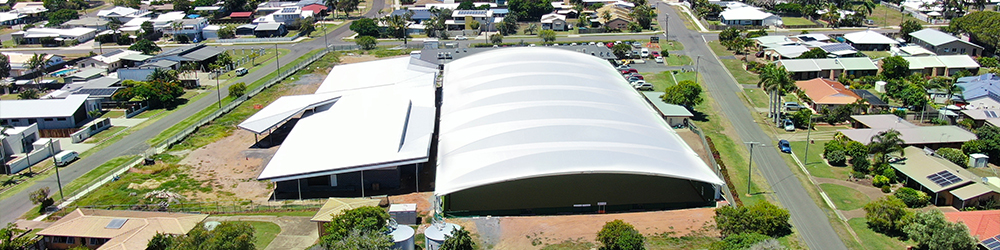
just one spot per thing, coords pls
(63, 72)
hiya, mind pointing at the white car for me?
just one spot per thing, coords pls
(644, 86)
(592, 43)
(461, 38)
(638, 82)
(658, 59)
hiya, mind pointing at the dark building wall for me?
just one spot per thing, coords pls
(559, 194)
(348, 184)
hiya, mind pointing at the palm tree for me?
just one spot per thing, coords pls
(865, 7)
(176, 27)
(832, 15)
(531, 29)
(884, 144)
(37, 64)
(398, 24)
(776, 81)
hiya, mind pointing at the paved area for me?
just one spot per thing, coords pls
(67, 144)
(130, 122)
(296, 232)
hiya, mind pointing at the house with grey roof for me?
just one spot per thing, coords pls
(829, 68)
(674, 114)
(934, 137)
(945, 65)
(980, 92)
(943, 43)
(47, 113)
(870, 40)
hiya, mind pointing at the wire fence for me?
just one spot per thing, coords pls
(218, 207)
(711, 159)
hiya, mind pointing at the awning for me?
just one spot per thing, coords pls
(284, 108)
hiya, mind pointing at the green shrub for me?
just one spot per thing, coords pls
(831, 146)
(740, 241)
(890, 174)
(886, 189)
(954, 155)
(856, 149)
(880, 181)
(860, 164)
(761, 217)
(912, 197)
(617, 234)
(858, 175)
(836, 158)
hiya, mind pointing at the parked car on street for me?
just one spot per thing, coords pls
(784, 146)
(793, 106)
(789, 125)
(658, 59)
(644, 86)
(65, 157)
(461, 38)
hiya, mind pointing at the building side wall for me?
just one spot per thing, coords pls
(579, 193)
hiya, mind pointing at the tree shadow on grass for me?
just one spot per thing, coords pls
(699, 116)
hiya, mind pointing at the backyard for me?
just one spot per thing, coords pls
(795, 21)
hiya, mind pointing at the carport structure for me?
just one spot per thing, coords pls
(364, 124)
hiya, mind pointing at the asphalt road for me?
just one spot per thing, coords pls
(135, 143)
(807, 218)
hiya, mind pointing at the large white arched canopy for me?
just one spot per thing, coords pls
(518, 113)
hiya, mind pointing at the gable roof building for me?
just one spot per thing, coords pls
(116, 229)
(829, 68)
(749, 16)
(943, 43)
(826, 92)
(870, 40)
(941, 65)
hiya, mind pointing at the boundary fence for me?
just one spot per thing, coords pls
(218, 207)
(715, 166)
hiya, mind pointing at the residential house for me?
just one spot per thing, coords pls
(134, 27)
(11, 18)
(245, 30)
(100, 90)
(270, 30)
(286, 15)
(617, 18)
(980, 92)
(198, 54)
(947, 183)
(47, 113)
(118, 12)
(336, 206)
(85, 75)
(873, 100)
(15, 141)
(109, 61)
(87, 22)
(982, 116)
(115, 229)
(870, 40)
(825, 93)
(19, 63)
(164, 21)
(317, 9)
(242, 17)
(554, 21)
(829, 68)
(35, 35)
(30, 11)
(191, 28)
(942, 65)
(984, 225)
(911, 50)
(784, 52)
(211, 32)
(943, 43)
(134, 60)
(419, 16)
(462, 19)
(749, 16)
(934, 137)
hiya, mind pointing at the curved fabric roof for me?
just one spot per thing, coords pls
(518, 113)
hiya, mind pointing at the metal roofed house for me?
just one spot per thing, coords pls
(540, 129)
(983, 116)
(871, 99)
(935, 175)
(825, 93)
(784, 52)
(779, 40)
(109, 61)
(983, 94)
(923, 136)
(943, 43)
(911, 50)
(19, 63)
(418, 16)
(554, 21)
(47, 113)
(674, 114)
(192, 28)
(441, 56)
(337, 206)
(749, 16)
(391, 105)
(983, 77)
(941, 65)
(830, 68)
(619, 17)
(30, 11)
(34, 35)
(270, 30)
(116, 12)
(983, 225)
(462, 18)
(245, 15)
(870, 40)
(317, 9)
(840, 49)
(96, 23)
(86, 75)
(115, 229)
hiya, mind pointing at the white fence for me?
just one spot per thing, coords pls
(91, 129)
(35, 156)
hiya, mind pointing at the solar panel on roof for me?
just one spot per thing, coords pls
(990, 113)
(944, 178)
(288, 10)
(116, 223)
(837, 47)
(991, 243)
(97, 92)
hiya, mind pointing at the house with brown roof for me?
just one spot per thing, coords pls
(115, 229)
(619, 17)
(826, 93)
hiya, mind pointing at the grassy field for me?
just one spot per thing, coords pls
(796, 21)
(887, 16)
(677, 60)
(252, 65)
(719, 50)
(843, 197)
(688, 23)
(757, 97)
(873, 240)
(663, 79)
(817, 165)
(265, 232)
(877, 54)
(113, 114)
(87, 179)
(104, 135)
(671, 45)
(742, 76)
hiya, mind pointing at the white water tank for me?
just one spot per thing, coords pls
(435, 234)
(402, 238)
(880, 86)
(978, 160)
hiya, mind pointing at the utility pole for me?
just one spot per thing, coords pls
(218, 90)
(809, 125)
(58, 178)
(697, 69)
(750, 167)
(276, 62)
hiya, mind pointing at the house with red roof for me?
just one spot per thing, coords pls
(826, 93)
(318, 9)
(983, 225)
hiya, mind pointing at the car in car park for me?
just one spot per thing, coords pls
(623, 66)
(461, 38)
(789, 125)
(636, 44)
(644, 52)
(784, 146)
(630, 75)
(629, 70)
(658, 59)
(633, 78)
(643, 86)
(655, 53)
(592, 43)
(636, 82)
(793, 106)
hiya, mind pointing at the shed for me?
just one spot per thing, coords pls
(245, 30)
(336, 206)
(674, 114)
(270, 30)
(405, 214)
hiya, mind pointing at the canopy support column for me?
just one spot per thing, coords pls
(362, 183)
(416, 176)
(255, 140)
(270, 138)
(298, 183)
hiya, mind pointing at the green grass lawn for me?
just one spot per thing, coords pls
(671, 45)
(677, 60)
(688, 23)
(796, 21)
(104, 135)
(877, 54)
(742, 76)
(843, 197)
(873, 240)
(886, 16)
(113, 114)
(298, 213)
(757, 97)
(817, 165)
(663, 79)
(719, 50)
(265, 232)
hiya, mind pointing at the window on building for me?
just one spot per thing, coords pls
(63, 239)
(61, 119)
(963, 51)
(49, 119)
(97, 241)
(32, 121)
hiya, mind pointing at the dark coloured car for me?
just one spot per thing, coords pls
(784, 146)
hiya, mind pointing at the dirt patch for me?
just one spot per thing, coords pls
(423, 201)
(694, 141)
(356, 58)
(534, 232)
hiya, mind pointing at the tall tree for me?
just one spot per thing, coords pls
(398, 25)
(813, 53)
(895, 67)
(643, 15)
(363, 219)
(934, 232)
(229, 235)
(909, 26)
(347, 6)
(887, 215)
(620, 235)
(459, 240)
(685, 93)
(234, 5)
(10, 238)
(776, 81)
(531, 29)
(547, 36)
(761, 217)
(365, 27)
(4, 67)
(884, 144)
(145, 46)
(37, 64)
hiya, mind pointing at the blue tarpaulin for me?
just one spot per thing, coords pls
(193, 16)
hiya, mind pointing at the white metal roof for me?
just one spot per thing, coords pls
(869, 37)
(518, 113)
(41, 108)
(745, 13)
(958, 61)
(386, 123)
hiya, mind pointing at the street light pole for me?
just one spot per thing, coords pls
(276, 62)
(218, 90)
(750, 167)
(58, 178)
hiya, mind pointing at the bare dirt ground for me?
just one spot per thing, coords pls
(232, 166)
(694, 141)
(534, 232)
